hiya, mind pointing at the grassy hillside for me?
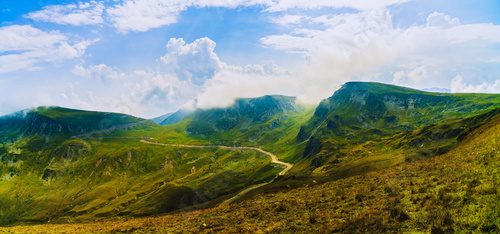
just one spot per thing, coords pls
(172, 118)
(366, 126)
(270, 122)
(58, 121)
(87, 179)
(66, 165)
(454, 192)
(46, 175)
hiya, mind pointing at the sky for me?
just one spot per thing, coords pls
(151, 57)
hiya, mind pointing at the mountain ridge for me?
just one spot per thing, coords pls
(361, 128)
(55, 120)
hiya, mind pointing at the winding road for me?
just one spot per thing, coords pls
(286, 166)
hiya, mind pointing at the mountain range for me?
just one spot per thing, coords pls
(64, 165)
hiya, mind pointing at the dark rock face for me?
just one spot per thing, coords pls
(313, 147)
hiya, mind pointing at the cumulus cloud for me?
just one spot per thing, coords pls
(195, 61)
(82, 13)
(191, 76)
(26, 47)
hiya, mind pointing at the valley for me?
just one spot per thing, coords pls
(370, 157)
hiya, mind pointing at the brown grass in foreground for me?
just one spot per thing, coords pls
(457, 191)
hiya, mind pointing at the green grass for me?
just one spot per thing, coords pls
(90, 179)
(106, 172)
(454, 192)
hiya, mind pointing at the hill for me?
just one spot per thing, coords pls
(52, 121)
(270, 122)
(390, 124)
(206, 156)
(95, 166)
(454, 192)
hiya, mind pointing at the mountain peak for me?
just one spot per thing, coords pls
(244, 112)
(267, 103)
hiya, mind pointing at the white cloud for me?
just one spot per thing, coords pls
(26, 47)
(139, 92)
(82, 13)
(366, 45)
(337, 48)
(101, 72)
(459, 86)
(228, 85)
(143, 15)
(283, 5)
(291, 20)
(410, 78)
(195, 61)
(437, 19)
(191, 75)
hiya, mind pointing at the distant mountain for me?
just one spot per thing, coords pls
(175, 117)
(160, 119)
(243, 114)
(437, 90)
(51, 121)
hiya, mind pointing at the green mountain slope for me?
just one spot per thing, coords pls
(172, 118)
(364, 126)
(270, 122)
(175, 117)
(242, 115)
(94, 168)
(52, 121)
(454, 192)
(380, 109)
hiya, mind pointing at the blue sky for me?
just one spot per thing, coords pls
(150, 57)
